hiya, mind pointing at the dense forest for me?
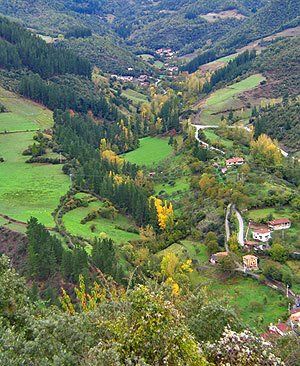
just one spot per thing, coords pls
(33, 53)
(280, 121)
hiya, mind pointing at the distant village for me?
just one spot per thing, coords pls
(166, 56)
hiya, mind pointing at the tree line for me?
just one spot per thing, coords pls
(235, 68)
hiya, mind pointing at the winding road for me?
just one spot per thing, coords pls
(240, 237)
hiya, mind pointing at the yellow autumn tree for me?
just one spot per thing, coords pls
(175, 272)
(112, 157)
(165, 213)
(266, 151)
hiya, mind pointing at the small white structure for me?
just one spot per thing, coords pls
(262, 234)
(234, 161)
(279, 224)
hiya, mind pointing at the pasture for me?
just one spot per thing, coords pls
(22, 114)
(112, 228)
(222, 100)
(135, 96)
(151, 151)
(214, 138)
(26, 189)
(256, 304)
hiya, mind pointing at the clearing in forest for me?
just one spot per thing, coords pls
(22, 114)
(152, 150)
(119, 229)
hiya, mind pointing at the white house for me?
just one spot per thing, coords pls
(262, 234)
(279, 224)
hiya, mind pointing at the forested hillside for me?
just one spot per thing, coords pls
(282, 122)
(275, 16)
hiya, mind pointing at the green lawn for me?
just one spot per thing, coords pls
(181, 184)
(72, 222)
(22, 113)
(152, 150)
(213, 138)
(134, 96)
(28, 189)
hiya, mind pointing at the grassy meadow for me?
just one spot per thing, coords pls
(225, 99)
(135, 96)
(103, 226)
(26, 189)
(151, 151)
(22, 114)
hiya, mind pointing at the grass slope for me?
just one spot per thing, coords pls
(256, 304)
(152, 150)
(224, 99)
(26, 189)
(22, 114)
(72, 222)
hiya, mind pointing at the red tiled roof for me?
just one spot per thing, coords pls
(262, 230)
(283, 327)
(234, 160)
(279, 221)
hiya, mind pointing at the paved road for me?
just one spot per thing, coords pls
(240, 236)
(241, 227)
(227, 228)
(201, 127)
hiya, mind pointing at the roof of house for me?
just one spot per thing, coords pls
(249, 256)
(234, 160)
(279, 221)
(283, 327)
(262, 230)
(221, 254)
(295, 317)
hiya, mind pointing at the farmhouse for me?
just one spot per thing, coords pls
(250, 262)
(262, 234)
(294, 319)
(234, 161)
(255, 245)
(215, 258)
(279, 224)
